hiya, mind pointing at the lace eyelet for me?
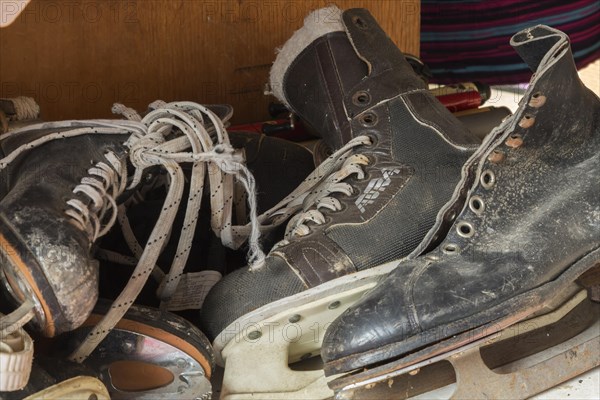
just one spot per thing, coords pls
(488, 179)
(496, 156)
(451, 216)
(527, 121)
(372, 137)
(514, 141)
(432, 257)
(369, 119)
(476, 204)
(537, 100)
(361, 98)
(451, 249)
(465, 229)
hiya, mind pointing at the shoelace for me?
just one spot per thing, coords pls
(163, 138)
(313, 194)
(210, 154)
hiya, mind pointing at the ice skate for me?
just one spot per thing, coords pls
(528, 229)
(278, 166)
(61, 186)
(516, 362)
(398, 157)
(150, 354)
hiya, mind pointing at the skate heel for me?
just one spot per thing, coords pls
(590, 280)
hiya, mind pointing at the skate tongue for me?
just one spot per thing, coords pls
(538, 45)
(318, 23)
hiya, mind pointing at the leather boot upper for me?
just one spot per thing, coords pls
(349, 85)
(532, 210)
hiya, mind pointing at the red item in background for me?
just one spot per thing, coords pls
(461, 101)
(280, 128)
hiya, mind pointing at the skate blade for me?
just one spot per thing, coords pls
(266, 353)
(150, 355)
(81, 387)
(516, 363)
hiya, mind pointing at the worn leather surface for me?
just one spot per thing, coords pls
(34, 190)
(414, 164)
(539, 216)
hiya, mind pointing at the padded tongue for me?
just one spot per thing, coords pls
(316, 24)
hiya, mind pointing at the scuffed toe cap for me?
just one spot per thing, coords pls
(244, 291)
(382, 317)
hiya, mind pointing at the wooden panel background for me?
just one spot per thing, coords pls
(77, 57)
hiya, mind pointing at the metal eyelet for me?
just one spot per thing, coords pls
(450, 217)
(361, 98)
(369, 119)
(450, 249)
(465, 229)
(476, 204)
(514, 141)
(488, 179)
(496, 156)
(537, 100)
(527, 121)
(373, 137)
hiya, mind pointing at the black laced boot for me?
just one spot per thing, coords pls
(399, 157)
(527, 229)
(56, 199)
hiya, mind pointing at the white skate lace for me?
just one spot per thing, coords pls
(314, 194)
(152, 142)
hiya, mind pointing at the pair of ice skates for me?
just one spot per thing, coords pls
(411, 244)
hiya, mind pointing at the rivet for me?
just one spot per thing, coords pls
(334, 305)
(527, 121)
(496, 156)
(254, 335)
(294, 318)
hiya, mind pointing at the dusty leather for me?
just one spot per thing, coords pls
(34, 190)
(339, 75)
(540, 215)
(414, 164)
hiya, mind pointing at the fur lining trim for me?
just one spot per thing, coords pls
(318, 23)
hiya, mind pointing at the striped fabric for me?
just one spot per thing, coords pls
(469, 40)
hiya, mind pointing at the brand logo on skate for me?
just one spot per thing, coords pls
(374, 188)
